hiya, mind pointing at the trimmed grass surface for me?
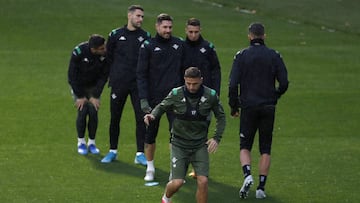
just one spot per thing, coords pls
(316, 142)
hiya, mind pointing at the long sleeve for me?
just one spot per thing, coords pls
(281, 76)
(234, 84)
(103, 77)
(110, 44)
(165, 105)
(142, 71)
(73, 74)
(220, 120)
(215, 71)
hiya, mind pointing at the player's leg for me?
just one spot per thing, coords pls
(248, 127)
(200, 163)
(150, 146)
(266, 126)
(117, 101)
(80, 128)
(140, 127)
(92, 128)
(179, 162)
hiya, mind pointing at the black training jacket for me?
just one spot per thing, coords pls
(122, 53)
(159, 67)
(256, 69)
(86, 70)
(202, 54)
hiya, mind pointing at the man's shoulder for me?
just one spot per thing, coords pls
(117, 31)
(241, 52)
(177, 91)
(207, 43)
(80, 49)
(209, 91)
(177, 40)
(274, 52)
(144, 33)
(150, 42)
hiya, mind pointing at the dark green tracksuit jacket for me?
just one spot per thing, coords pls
(190, 127)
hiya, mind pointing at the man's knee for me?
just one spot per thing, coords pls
(177, 183)
(202, 181)
(265, 150)
(149, 139)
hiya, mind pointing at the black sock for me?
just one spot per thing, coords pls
(262, 181)
(246, 170)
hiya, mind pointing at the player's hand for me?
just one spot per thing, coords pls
(145, 107)
(212, 145)
(235, 112)
(95, 102)
(80, 102)
(148, 118)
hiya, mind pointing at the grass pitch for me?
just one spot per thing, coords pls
(316, 141)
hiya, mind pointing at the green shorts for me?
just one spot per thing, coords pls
(181, 158)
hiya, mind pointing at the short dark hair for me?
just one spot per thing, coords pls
(132, 8)
(193, 22)
(163, 16)
(257, 29)
(96, 41)
(192, 72)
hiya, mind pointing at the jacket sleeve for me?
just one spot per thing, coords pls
(110, 46)
(215, 69)
(142, 71)
(281, 75)
(165, 105)
(234, 83)
(73, 73)
(103, 77)
(220, 119)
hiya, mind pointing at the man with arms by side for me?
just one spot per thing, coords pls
(122, 53)
(202, 54)
(261, 76)
(159, 70)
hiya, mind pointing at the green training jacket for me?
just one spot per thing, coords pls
(189, 132)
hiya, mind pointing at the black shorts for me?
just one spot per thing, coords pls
(153, 128)
(253, 119)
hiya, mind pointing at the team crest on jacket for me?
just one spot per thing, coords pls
(122, 38)
(176, 46)
(140, 39)
(203, 50)
(203, 99)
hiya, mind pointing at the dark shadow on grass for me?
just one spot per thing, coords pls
(120, 167)
(218, 192)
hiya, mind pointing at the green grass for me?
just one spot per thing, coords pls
(316, 142)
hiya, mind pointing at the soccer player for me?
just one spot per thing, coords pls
(202, 54)
(122, 53)
(159, 70)
(191, 104)
(255, 71)
(87, 76)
